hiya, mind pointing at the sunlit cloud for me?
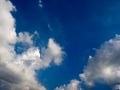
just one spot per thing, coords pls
(17, 71)
(104, 66)
(73, 85)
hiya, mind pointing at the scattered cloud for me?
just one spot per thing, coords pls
(53, 53)
(24, 37)
(104, 66)
(40, 3)
(73, 85)
(17, 71)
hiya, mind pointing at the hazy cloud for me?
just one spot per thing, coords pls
(25, 37)
(40, 3)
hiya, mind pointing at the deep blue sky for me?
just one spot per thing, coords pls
(77, 25)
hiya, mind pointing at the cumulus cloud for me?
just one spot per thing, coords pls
(73, 85)
(7, 33)
(52, 52)
(105, 65)
(24, 37)
(17, 71)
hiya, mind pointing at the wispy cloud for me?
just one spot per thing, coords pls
(17, 71)
(40, 3)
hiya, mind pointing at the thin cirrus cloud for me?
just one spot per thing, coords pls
(104, 66)
(17, 71)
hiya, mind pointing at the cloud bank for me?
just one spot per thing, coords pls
(17, 71)
(104, 67)
(73, 85)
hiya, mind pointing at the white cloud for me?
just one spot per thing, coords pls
(24, 37)
(105, 65)
(7, 30)
(17, 71)
(73, 85)
(53, 52)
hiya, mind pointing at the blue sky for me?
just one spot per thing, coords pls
(79, 27)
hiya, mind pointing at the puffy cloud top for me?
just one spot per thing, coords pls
(17, 71)
(73, 85)
(105, 65)
(7, 23)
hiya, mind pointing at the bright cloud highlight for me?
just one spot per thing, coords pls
(104, 66)
(73, 85)
(17, 71)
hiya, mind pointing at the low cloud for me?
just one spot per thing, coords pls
(104, 67)
(73, 85)
(17, 71)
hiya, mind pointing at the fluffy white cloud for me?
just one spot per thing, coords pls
(17, 71)
(7, 30)
(24, 37)
(73, 85)
(52, 52)
(105, 65)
